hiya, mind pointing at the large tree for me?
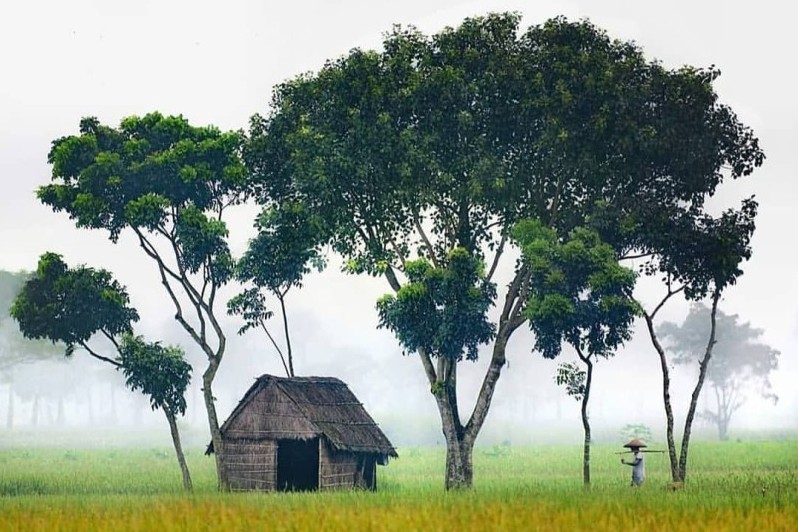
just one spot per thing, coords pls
(420, 159)
(72, 306)
(170, 184)
(741, 361)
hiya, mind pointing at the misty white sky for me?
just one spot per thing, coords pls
(216, 62)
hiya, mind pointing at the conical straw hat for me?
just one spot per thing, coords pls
(637, 442)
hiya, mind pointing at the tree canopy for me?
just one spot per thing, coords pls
(71, 305)
(442, 143)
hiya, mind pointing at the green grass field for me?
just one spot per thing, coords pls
(731, 486)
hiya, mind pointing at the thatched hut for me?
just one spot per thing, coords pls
(302, 433)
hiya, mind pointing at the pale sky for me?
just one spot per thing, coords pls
(216, 62)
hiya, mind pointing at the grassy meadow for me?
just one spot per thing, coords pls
(731, 486)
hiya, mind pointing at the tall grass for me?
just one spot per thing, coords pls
(731, 486)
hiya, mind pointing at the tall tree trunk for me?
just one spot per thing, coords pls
(460, 438)
(181, 459)
(704, 364)
(459, 460)
(459, 471)
(666, 399)
(586, 421)
(289, 352)
(213, 423)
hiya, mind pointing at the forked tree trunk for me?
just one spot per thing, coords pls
(181, 459)
(666, 399)
(460, 438)
(704, 365)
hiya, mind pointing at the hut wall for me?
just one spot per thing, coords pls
(271, 415)
(345, 470)
(251, 464)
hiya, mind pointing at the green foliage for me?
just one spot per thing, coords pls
(153, 174)
(480, 126)
(577, 292)
(251, 305)
(284, 250)
(159, 372)
(70, 305)
(573, 378)
(441, 310)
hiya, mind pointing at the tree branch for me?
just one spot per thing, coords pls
(100, 357)
(496, 257)
(424, 237)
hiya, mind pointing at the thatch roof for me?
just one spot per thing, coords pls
(329, 407)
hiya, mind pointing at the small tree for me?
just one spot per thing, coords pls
(740, 361)
(74, 305)
(162, 374)
(577, 296)
(283, 252)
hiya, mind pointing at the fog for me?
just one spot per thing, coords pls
(216, 63)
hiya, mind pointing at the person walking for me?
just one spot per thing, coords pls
(637, 464)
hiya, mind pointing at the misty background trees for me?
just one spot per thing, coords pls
(741, 362)
(77, 306)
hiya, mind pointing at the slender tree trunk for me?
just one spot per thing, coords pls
(704, 364)
(213, 423)
(289, 352)
(586, 422)
(666, 399)
(181, 459)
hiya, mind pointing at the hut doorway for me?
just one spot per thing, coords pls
(298, 465)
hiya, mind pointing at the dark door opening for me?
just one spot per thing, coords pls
(298, 465)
